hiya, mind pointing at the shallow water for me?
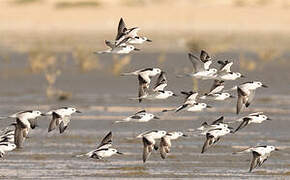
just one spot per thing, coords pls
(103, 102)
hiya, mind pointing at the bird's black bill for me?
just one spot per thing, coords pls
(43, 114)
(148, 40)
(174, 95)
(155, 117)
(78, 111)
(136, 49)
(119, 152)
(269, 119)
(207, 106)
(242, 76)
(232, 96)
(184, 135)
(265, 86)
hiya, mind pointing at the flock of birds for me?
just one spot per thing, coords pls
(15, 134)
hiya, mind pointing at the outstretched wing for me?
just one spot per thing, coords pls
(219, 120)
(255, 160)
(121, 29)
(107, 140)
(54, 121)
(64, 123)
(216, 87)
(241, 100)
(148, 147)
(197, 66)
(243, 124)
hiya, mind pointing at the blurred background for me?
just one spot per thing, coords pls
(46, 46)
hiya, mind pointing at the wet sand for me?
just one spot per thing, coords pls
(103, 98)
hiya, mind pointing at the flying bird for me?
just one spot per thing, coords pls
(260, 155)
(61, 117)
(257, 117)
(213, 136)
(140, 116)
(246, 93)
(149, 143)
(165, 142)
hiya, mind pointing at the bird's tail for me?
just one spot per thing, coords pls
(182, 75)
(128, 74)
(81, 155)
(101, 52)
(3, 117)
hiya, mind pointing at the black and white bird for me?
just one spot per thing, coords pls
(197, 107)
(219, 123)
(201, 66)
(144, 75)
(158, 91)
(29, 117)
(103, 149)
(217, 96)
(129, 34)
(61, 117)
(260, 155)
(165, 142)
(140, 116)
(257, 117)
(149, 143)
(246, 93)
(25, 120)
(190, 99)
(118, 49)
(225, 72)
(6, 147)
(213, 136)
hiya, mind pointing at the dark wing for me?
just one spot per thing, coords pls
(255, 160)
(121, 29)
(33, 123)
(216, 87)
(54, 121)
(18, 133)
(135, 117)
(161, 79)
(208, 143)
(204, 57)
(197, 66)
(164, 147)
(219, 120)
(64, 124)
(148, 147)
(142, 111)
(241, 100)
(243, 124)
(142, 88)
(106, 140)
(181, 107)
(250, 98)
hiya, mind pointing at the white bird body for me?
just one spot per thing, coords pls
(216, 97)
(246, 93)
(152, 134)
(141, 116)
(104, 153)
(260, 155)
(197, 107)
(229, 76)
